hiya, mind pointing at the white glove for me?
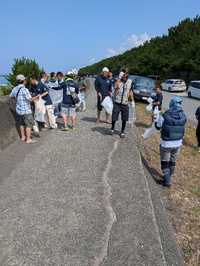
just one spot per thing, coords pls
(133, 104)
(121, 74)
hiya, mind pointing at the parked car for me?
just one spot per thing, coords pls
(194, 89)
(143, 87)
(174, 85)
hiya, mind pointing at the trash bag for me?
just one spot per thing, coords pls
(132, 115)
(149, 107)
(107, 104)
(149, 132)
(56, 95)
(39, 110)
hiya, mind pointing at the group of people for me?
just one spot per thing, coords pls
(40, 89)
(171, 123)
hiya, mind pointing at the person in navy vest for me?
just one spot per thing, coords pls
(172, 124)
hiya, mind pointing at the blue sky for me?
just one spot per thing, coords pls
(61, 35)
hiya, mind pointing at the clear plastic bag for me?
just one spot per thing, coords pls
(107, 104)
(56, 95)
(149, 107)
(132, 114)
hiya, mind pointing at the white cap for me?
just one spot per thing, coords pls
(105, 69)
(69, 73)
(20, 77)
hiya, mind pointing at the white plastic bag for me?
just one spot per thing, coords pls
(107, 104)
(149, 132)
(39, 110)
(132, 114)
(149, 107)
(56, 95)
(149, 100)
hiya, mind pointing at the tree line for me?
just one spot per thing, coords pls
(175, 55)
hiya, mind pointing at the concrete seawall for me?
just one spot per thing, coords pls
(9, 121)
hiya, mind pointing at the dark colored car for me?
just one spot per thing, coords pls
(143, 87)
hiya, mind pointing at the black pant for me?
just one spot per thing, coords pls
(198, 134)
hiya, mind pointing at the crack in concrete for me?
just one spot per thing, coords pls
(109, 208)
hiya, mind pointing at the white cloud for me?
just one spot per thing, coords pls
(92, 61)
(129, 43)
(111, 52)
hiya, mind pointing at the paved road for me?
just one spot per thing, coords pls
(189, 104)
(82, 198)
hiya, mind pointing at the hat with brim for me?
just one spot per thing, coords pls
(69, 73)
(20, 77)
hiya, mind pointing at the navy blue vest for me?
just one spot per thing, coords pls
(174, 124)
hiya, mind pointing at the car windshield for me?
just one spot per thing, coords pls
(144, 82)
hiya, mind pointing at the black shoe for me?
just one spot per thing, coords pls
(122, 135)
(111, 131)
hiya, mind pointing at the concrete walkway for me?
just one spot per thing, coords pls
(82, 198)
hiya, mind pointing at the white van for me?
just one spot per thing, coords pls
(194, 89)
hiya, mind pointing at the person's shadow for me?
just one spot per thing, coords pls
(157, 177)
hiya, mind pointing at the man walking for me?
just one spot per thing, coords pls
(172, 124)
(120, 99)
(23, 108)
(103, 88)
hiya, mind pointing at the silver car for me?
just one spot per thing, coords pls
(174, 85)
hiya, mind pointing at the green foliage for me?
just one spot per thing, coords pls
(26, 67)
(6, 90)
(171, 56)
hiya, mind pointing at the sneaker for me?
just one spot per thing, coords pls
(199, 150)
(64, 128)
(111, 131)
(84, 109)
(73, 127)
(122, 135)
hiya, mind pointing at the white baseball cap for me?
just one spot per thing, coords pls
(105, 69)
(20, 77)
(69, 73)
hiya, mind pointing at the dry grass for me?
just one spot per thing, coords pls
(182, 201)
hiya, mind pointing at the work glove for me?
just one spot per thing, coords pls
(121, 74)
(133, 104)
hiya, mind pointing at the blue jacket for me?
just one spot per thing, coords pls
(174, 124)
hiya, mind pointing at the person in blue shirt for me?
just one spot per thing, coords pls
(41, 88)
(23, 108)
(172, 124)
(103, 88)
(197, 113)
(157, 102)
(68, 106)
(112, 80)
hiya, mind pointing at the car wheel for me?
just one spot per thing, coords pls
(169, 89)
(189, 94)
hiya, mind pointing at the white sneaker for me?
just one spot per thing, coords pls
(196, 146)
